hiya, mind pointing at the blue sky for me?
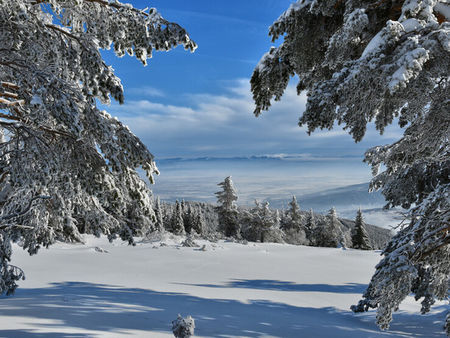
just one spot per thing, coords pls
(199, 104)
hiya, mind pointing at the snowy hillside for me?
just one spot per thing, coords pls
(231, 290)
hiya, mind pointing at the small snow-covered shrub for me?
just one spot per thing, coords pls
(190, 243)
(155, 236)
(183, 327)
(295, 237)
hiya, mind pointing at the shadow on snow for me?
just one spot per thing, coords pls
(276, 285)
(104, 308)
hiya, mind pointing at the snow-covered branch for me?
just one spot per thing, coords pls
(378, 61)
(22, 212)
(54, 140)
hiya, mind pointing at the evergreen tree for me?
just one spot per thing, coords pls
(274, 233)
(328, 235)
(159, 223)
(68, 164)
(364, 61)
(294, 220)
(360, 238)
(227, 209)
(177, 220)
(310, 226)
(277, 219)
(266, 221)
(10, 274)
(293, 227)
(188, 217)
(167, 216)
(198, 221)
(262, 224)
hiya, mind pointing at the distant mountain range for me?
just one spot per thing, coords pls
(308, 157)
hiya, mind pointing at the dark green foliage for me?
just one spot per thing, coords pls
(360, 238)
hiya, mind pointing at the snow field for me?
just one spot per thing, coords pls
(231, 290)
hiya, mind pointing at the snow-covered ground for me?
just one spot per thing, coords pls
(231, 290)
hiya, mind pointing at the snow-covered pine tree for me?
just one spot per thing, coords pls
(360, 238)
(310, 225)
(274, 233)
(364, 61)
(227, 209)
(294, 218)
(261, 224)
(65, 166)
(159, 221)
(266, 221)
(168, 210)
(277, 219)
(198, 221)
(328, 235)
(292, 225)
(177, 220)
(188, 217)
(10, 274)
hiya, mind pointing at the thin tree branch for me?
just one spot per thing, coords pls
(46, 129)
(109, 4)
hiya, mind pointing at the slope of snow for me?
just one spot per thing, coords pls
(231, 290)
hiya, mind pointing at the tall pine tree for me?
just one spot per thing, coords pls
(295, 220)
(159, 222)
(177, 220)
(329, 234)
(227, 209)
(310, 226)
(360, 238)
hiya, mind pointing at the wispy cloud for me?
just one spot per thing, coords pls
(145, 92)
(228, 19)
(223, 125)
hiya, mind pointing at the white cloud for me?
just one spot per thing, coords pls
(223, 125)
(145, 92)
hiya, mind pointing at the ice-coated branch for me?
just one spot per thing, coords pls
(22, 212)
(54, 138)
(379, 62)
